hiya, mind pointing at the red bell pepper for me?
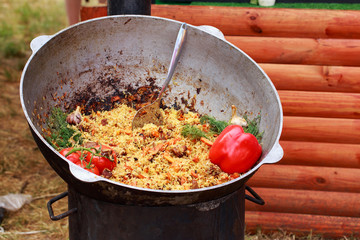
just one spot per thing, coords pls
(235, 151)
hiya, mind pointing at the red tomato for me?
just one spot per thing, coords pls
(107, 159)
(73, 157)
(92, 168)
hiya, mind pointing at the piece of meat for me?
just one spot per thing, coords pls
(107, 173)
(179, 151)
(90, 144)
(104, 121)
(194, 184)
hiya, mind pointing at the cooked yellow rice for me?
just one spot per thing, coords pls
(145, 156)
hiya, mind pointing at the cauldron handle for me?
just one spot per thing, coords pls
(38, 42)
(62, 215)
(256, 198)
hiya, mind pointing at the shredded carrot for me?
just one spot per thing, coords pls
(235, 175)
(86, 119)
(205, 128)
(146, 170)
(128, 167)
(133, 183)
(115, 98)
(127, 131)
(174, 140)
(206, 141)
(155, 134)
(168, 175)
(168, 157)
(159, 147)
(145, 151)
(182, 180)
(176, 167)
(196, 159)
(195, 175)
(140, 176)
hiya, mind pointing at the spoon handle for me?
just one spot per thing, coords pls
(175, 57)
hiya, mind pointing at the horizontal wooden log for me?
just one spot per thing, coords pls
(330, 130)
(238, 21)
(87, 13)
(282, 45)
(341, 52)
(307, 178)
(320, 104)
(313, 77)
(302, 224)
(307, 202)
(321, 154)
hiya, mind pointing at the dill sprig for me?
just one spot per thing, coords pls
(60, 134)
(192, 132)
(253, 127)
(215, 125)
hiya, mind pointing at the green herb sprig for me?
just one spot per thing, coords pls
(60, 133)
(215, 125)
(253, 127)
(192, 132)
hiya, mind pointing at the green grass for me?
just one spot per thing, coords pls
(22, 21)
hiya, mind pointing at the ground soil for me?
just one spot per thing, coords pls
(24, 170)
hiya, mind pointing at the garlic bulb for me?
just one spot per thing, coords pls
(235, 119)
(74, 118)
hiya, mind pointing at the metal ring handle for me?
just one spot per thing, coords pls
(256, 198)
(62, 215)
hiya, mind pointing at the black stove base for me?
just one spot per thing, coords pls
(218, 219)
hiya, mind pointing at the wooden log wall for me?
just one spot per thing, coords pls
(313, 59)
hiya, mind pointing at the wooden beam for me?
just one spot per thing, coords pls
(307, 178)
(307, 202)
(241, 21)
(320, 104)
(311, 51)
(327, 226)
(312, 129)
(313, 77)
(321, 154)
